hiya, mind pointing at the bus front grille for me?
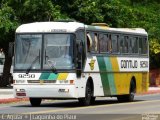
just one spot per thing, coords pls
(41, 81)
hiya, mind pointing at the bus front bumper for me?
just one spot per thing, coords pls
(45, 91)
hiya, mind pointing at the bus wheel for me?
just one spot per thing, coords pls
(35, 102)
(130, 96)
(93, 100)
(88, 96)
(132, 91)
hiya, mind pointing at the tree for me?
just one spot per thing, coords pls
(7, 27)
(154, 53)
(16, 12)
(116, 13)
(35, 10)
(86, 11)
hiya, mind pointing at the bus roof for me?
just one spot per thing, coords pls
(126, 30)
(49, 27)
(71, 27)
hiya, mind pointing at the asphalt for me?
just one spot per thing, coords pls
(6, 94)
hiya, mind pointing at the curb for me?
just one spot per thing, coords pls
(150, 92)
(12, 100)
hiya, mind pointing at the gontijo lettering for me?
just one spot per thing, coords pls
(129, 64)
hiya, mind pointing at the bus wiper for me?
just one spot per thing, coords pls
(34, 61)
(50, 64)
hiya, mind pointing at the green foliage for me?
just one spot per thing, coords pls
(86, 11)
(154, 53)
(35, 10)
(8, 24)
(154, 46)
(116, 13)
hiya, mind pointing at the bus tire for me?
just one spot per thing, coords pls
(35, 102)
(93, 100)
(130, 96)
(88, 96)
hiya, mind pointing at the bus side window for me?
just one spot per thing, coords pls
(135, 45)
(140, 45)
(126, 44)
(130, 46)
(110, 43)
(107, 43)
(103, 42)
(95, 43)
(89, 42)
(92, 43)
(144, 46)
(121, 40)
(115, 46)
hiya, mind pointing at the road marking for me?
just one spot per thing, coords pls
(89, 107)
(2, 107)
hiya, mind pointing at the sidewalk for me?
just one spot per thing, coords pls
(152, 90)
(6, 95)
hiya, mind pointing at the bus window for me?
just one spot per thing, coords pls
(92, 42)
(121, 39)
(130, 44)
(80, 35)
(135, 45)
(89, 42)
(115, 43)
(103, 42)
(130, 48)
(110, 44)
(144, 46)
(95, 43)
(140, 45)
(126, 44)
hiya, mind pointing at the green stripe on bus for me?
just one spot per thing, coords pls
(44, 76)
(110, 75)
(104, 77)
(53, 76)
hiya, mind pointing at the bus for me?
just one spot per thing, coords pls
(71, 60)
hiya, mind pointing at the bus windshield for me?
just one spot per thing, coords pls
(37, 51)
(28, 47)
(58, 51)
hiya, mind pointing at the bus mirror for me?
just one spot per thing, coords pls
(78, 73)
(11, 49)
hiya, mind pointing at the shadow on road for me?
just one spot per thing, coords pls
(72, 103)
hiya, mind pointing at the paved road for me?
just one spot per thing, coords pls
(103, 108)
